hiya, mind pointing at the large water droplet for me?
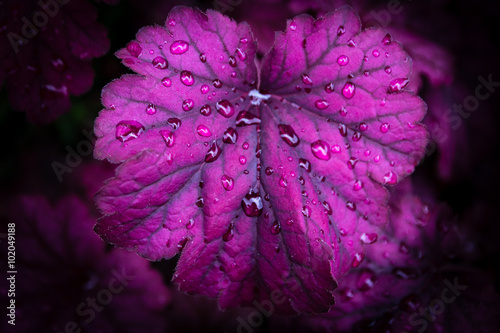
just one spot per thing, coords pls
(387, 39)
(166, 82)
(390, 178)
(306, 79)
(225, 108)
(276, 228)
(328, 208)
(283, 182)
(348, 90)
(181, 244)
(241, 54)
(343, 130)
(151, 109)
(293, 26)
(175, 123)
(179, 47)
(206, 110)
(160, 62)
(376, 53)
(252, 204)
(305, 164)
(204, 89)
(190, 224)
(288, 135)
(246, 118)
(336, 149)
(306, 211)
(384, 128)
(213, 153)
(134, 49)
(217, 83)
(358, 258)
(168, 137)
(187, 78)
(330, 87)
(321, 150)
(398, 84)
(203, 130)
(227, 182)
(187, 105)
(369, 238)
(358, 185)
(229, 234)
(363, 127)
(232, 61)
(322, 104)
(343, 60)
(230, 136)
(128, 130)
(351, 163)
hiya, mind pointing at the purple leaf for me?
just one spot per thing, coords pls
(62, 266)
(352, 115)
(44, 66)
(253, 184)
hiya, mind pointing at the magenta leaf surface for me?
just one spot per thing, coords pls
(64, 264)
(253, 181)
(44, 66)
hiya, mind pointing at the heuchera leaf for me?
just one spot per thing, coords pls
(44, 65)
(64, 264)
(253, 180)
(399, 261)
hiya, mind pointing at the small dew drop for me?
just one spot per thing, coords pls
(187, 105)
(227, 182)
(187, 78)
(384, 128)
(390, 178)
(128, 130)
(343, 60)
(336, 149)
(203, 130)
(306, 79)
(151, 109)
(276, 228)
(168, 137)
(358, 185)
(160, 63)
(330, 87)
(213, 153)
(179, 47)
(348, 90)
(166, 82)
(230, 136)
(321, 150)
(397, 85)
